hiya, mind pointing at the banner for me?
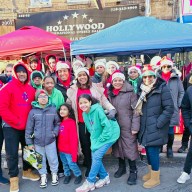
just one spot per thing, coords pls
(186, 7)
(76, 24)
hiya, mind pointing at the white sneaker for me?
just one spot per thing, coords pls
(55, 180)
(183, 178)
(43, 182)
(102, 182)
(87, 186)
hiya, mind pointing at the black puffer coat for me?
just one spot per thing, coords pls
(157, 112)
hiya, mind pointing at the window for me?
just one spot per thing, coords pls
(72, 2)
(40, 3)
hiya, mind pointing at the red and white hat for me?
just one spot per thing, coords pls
(62, 65)
(166, 61)
(112, 63)
(81, 69)
(134, 68)
(119, 75)
(155, 62)
(100, 62)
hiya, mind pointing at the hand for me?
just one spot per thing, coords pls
(134, 132)
(31, 147)
(111, 114)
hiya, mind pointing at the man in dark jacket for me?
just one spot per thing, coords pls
(15, 104)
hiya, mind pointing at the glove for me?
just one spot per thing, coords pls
(111, 114)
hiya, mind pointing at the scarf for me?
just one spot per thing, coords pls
(116, 91)
(134, 84)
(145, 90)
(166, 76)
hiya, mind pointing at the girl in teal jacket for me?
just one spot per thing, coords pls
(104, 133)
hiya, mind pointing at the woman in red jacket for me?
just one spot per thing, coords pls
(68, 144)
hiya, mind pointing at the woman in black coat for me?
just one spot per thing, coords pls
(155, 105)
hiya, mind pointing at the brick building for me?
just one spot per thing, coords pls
(163, 9)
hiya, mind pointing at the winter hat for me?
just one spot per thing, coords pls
(100, 62)
(148, 70)
(62, 65)
(39, 91)
(20, 68)
(81, 69)
(155, 62)
(166, 61)
(33, 58)
(134, 68)
(77, 64)
(36, 74)
(112, 63)
(118, 74)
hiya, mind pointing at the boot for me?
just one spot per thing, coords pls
(121, 170)
(170, 145)
(14, 184)
(30, 175)
(147, 176)
(133, 173)
(154, 181)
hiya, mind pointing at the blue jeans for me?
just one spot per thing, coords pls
(69, 164)
(97, 166)
(153, 157)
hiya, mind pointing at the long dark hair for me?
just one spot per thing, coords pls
(89, 98)
(70, 109)
(88, 83)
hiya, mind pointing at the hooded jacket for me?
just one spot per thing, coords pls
(101, 129)
(42, 125)
(15, 102)
(32, 82)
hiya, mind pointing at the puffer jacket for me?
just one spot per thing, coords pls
(157, 112)
(42, 125)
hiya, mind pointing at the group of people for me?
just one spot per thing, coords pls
(64, 113)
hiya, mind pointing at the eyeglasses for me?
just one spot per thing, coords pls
(132, 72)
(43, 97)
(166, 66)
(149, 77)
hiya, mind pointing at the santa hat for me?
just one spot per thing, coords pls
(112, 63)
(155, 61)
(40, 91)
(166, 61)
(81, 69)
(77, 64)
(100, 62)
(118, 74)
(148, 71)
(134, 68)
(62, 65)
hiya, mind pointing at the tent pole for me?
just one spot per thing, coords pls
(42, 64)
(71, 56)
(64, 53)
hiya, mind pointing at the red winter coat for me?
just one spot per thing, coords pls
(68, 139)
(15, 102)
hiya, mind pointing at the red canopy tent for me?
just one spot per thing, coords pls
(30, 39)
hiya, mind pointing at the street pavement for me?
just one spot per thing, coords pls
(170, 171)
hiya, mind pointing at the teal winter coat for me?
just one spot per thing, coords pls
(101, 129)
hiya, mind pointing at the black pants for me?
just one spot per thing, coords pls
(188, 160)
(1, 143)
(84, 137)
(185, 138)
(12, 139)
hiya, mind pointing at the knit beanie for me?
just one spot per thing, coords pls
(148, 71)
(100, 62)
(118, 74)
(134, 68)
(81, 69)
(112, 63)
(62, 65)
(20, 68)
(40, 91)
(36, 74)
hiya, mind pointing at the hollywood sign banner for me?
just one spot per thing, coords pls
(76, 24)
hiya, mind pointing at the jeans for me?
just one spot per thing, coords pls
(153, 157)
(1, 144)
(185, 138)
(69, 164)
(171, 131)
(84, 137)
(12, 138)
(188, 160)
(49, 152)
(97, 167)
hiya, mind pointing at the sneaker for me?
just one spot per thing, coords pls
(43, 182)
(78, 180)
(87, 186)
(183, 178)
(102, 182)
(182, 149)
(55, 180)
(67, 180)
(30, 175)
(5, 164)
(3, 180)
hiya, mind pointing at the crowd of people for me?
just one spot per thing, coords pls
(65, 114)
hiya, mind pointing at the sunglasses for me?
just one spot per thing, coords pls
(166, 66)
(149, 77)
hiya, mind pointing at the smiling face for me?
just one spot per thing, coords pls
(148, 80)
(63, 74)
(84, 105)
(48, 84)
(33, 65)
(117, 83)
(64, 112)
(8, 71)
(82, 78)
(133, 74)
(111, 69)
(42, 99)
(166, 68)
(22, 76)
(37, 81)
(52, 63)
(100, 69)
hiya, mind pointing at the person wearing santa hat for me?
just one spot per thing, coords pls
(122, 97)
(172, 79)
(155, 105)
(155, 62)
(84, 85)
(100, 66)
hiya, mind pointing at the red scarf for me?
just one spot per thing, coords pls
(166, 76)
(116, 91)
(65, 83)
